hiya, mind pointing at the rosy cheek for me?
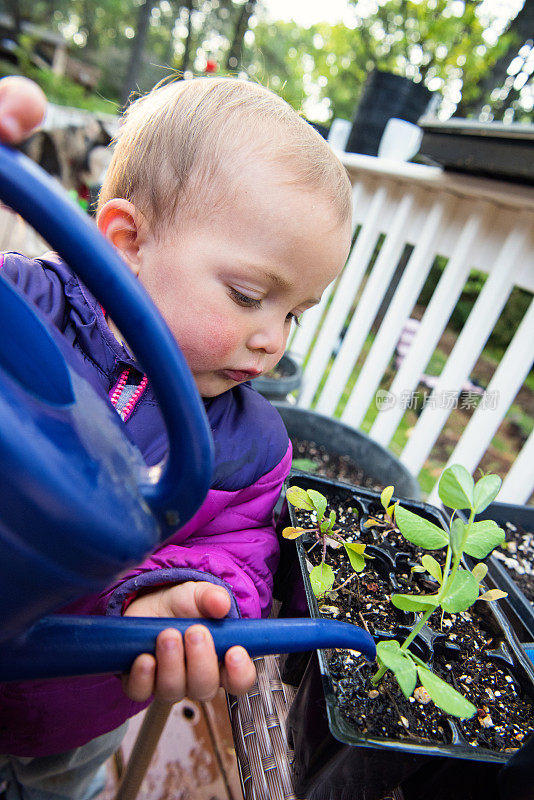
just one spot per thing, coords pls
(218, 337)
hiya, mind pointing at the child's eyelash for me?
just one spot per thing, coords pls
(254, 302)
(295, 319)
(244, 300)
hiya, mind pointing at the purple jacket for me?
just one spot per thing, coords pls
(230, 541)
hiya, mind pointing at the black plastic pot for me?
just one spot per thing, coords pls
(493, 150)
(384, 96)
(343, 440)
(516, 602)
(274, 388)
(335, 761)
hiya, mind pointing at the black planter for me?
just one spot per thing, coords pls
(335, 761)
(522, 609)
(343, 440)
(278, 388)
(492, 150)
(385, 96)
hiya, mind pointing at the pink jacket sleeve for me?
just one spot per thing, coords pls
(230, 541)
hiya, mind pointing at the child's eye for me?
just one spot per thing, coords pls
(244, 300)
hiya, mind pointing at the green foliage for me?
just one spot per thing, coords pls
(459, 587)
(322, 576)
(304, 464)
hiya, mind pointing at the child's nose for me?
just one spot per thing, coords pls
(271, 339)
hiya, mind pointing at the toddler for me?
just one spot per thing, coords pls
(235, 216)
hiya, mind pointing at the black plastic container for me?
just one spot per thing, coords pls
(492, 150)
(334, 761)
(278, 388)
(516, 602)
(343, 440)
(384, 96)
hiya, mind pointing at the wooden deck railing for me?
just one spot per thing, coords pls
(405, 215)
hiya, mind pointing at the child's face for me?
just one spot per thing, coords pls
(230, 284)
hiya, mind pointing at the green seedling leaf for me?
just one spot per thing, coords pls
(332, 520)
(304, 464)
(420, 531)
(319, 503)
(457, 535)
(371, 522)
(299, 498)
(355, 552)
(483, 537)
(385, 497)
(479, 572)
(391, 510)
(493, 594)
(444, 696)
(321, 579)
(462, 593)
(486, 490)
(456, 487)
(418, 568)
(414, 602)
(432, 566)
(402, 666)
(292, 533)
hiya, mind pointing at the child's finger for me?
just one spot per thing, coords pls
(170, 676)
(238, 672)
(22, 108)
(138, 684)
(211, 601)
(203, 676)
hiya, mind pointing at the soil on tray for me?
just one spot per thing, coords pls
(465, 650)
(333, 466)
(516, 555)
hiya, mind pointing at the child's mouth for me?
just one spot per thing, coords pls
(239, 375)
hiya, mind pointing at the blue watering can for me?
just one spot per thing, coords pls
(77, 503)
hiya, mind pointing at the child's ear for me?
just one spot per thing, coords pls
(122, 224)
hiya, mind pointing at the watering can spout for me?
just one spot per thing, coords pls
(98, 645)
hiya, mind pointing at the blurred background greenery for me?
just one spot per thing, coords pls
(477, 55)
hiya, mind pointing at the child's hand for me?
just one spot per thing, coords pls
(195, 673)
(22, 108)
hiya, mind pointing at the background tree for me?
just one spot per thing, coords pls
(501, 88)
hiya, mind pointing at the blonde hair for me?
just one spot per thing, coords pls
(175, 143)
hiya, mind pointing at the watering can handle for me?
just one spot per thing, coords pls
(186, 473)
(58, 646)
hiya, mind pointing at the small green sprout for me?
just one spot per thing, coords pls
(389, 511)
(322, 576)
(458, 589)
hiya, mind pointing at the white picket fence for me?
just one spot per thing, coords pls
(474, 223)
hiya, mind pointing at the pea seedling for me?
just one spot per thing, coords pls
(459, 587)
(322, 576)
(389, 511)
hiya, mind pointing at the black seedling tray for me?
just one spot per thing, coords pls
(522, 516)
(331, 755)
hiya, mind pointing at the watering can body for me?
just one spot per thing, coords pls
(77, 503)
(72, 515)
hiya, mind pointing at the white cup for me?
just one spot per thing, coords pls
(339, 133)
(400, 141)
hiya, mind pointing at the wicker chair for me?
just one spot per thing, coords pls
(258, 722)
